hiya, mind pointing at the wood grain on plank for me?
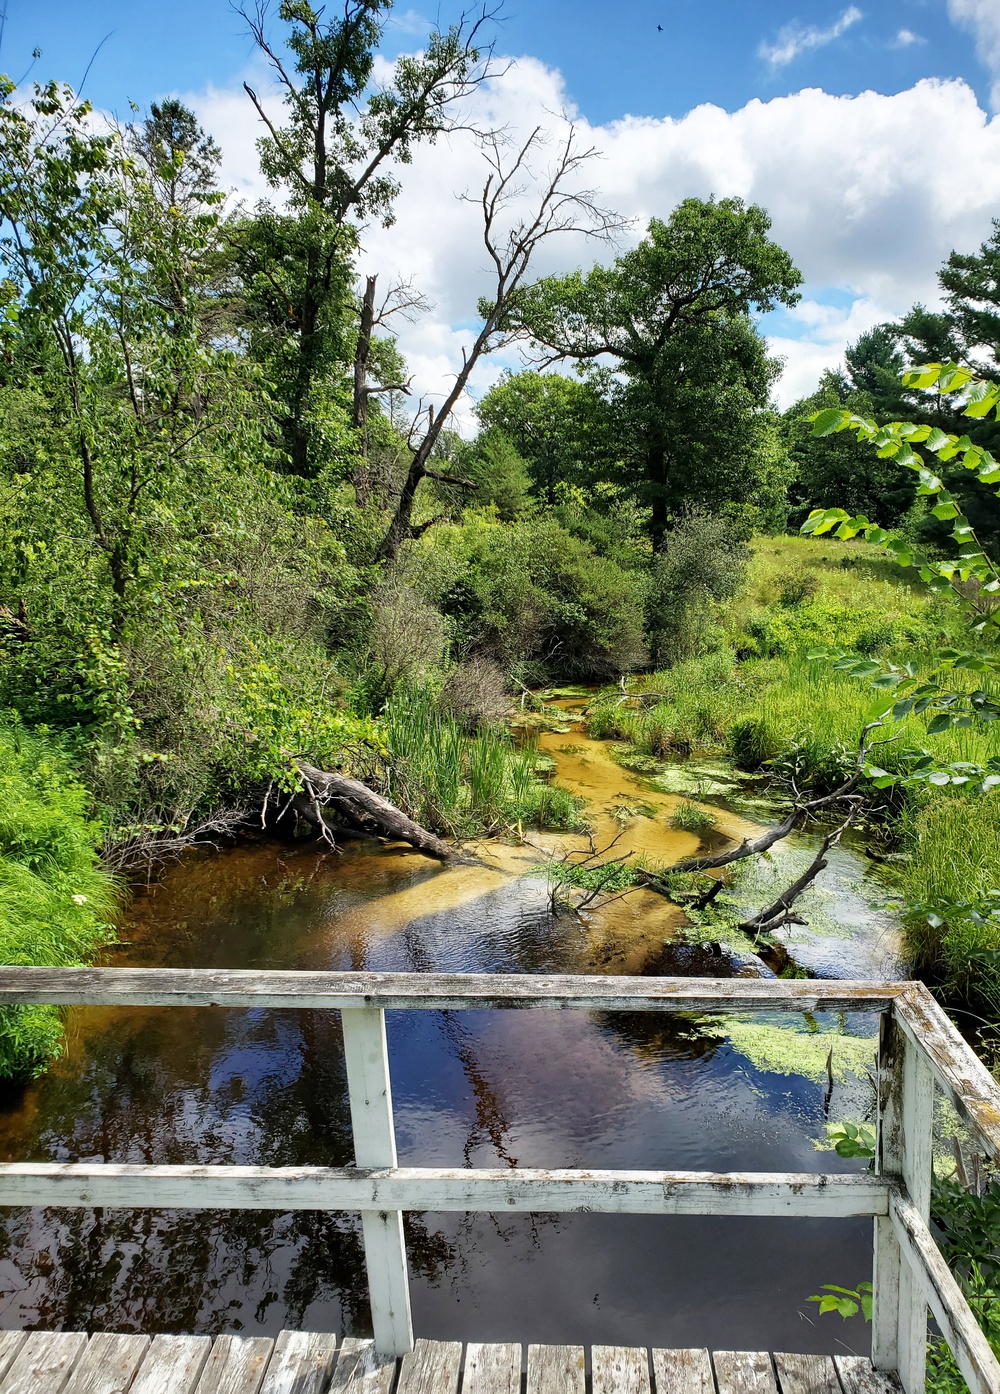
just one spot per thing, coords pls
(683, 1372)
(44, 1363)
(236, 1365)
(744, 1372)
(10, 1343)
(250, 987)
(858, 1377)
(620, 1370)
(492, 1369)
(301, 1363)
(806, 1374)
(431, 1367)
(556, 1370)
(525, 1189)
(172, 1365)
(361, 1370)
(108, 1364)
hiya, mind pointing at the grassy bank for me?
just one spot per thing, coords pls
(57, 901)
(755, 697)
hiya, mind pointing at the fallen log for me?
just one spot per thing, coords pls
(361, 808)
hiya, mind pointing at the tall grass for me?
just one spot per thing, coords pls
(56, 900)
(466, 784)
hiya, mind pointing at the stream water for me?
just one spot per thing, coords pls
(470, 1088)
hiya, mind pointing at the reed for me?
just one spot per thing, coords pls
(466, 784)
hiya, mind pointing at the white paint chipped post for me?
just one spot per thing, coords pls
(367, 1057)
(906, 1137)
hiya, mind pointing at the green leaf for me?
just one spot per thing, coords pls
(829, 421)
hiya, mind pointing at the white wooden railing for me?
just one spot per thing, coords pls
(918, 1047)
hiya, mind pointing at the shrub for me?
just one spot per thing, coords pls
(702, 560)
(793, 587)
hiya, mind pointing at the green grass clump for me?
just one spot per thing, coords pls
(691, 818)
(56, 899)
(951, 888)
(461, 784)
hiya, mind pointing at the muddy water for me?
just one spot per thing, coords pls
(477, 1089)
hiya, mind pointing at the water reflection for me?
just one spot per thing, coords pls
(529, 1088)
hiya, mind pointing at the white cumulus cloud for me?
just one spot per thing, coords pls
(794, 39)
(869, 193)
(982, 17)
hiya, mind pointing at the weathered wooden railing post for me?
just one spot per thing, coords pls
(367, 1057)
(905, 1145)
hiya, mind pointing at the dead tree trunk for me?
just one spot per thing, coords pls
(362, 474)
(354, 804)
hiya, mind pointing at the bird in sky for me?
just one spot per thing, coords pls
(659, 28)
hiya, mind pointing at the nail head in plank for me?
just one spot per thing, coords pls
(10, 1343)
(301, 1363)
(361, 1370)
(620, 1370)
(172, 1365)
(431, 1367)
(492, 1369)
(108, 1364)
(858, 1377)
(806, 1374)
(683, 1372)
(556, 1370)
(744, 1372)
(44, 1363)
(236, 1365)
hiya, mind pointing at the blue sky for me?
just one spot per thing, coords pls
(613, 58)
(867, 129)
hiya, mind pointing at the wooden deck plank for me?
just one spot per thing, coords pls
(556, 1370)
(858, 1377)
(432, 1367)
(301, 1363)
(806, 1374)
(360, 1370)
(683, 1372)
(108, 1364)
(620, 1370)
(236, 1365)
(172, 1365)
(492, 1369)
(744, 1372)
(44, 1363)
(10, 1343)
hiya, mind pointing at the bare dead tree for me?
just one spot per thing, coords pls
(511, 241)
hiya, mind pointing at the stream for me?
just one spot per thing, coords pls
(545, 1089)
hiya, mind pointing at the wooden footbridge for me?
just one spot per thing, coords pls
(919, 1050)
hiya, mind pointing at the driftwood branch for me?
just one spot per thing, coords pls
(777, 912)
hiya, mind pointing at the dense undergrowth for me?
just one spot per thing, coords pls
(757, 698)
(57, 901)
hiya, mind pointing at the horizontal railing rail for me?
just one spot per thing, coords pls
(918, 1048)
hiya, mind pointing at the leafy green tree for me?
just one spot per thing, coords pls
(102, 282)
(664, 312)
(972, 284)
(333, 159)
(837, 467)
(564, 428)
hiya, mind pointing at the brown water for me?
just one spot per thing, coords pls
(471, 1088)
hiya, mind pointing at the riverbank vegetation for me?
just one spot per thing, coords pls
(236, 543)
